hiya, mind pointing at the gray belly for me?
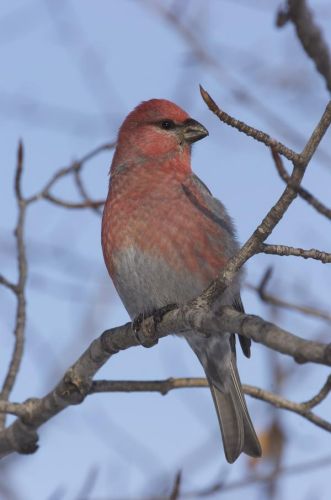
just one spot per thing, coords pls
(145, 283)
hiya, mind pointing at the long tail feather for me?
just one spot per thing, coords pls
(236, 426)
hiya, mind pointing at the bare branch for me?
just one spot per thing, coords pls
(299, 408)
(254, 243)
(71, 169)
(260, 478)
(83, 192)
(256, 134)
(283, 250)
(33, 410)
(310, 36)
(19, 289)
(17, 409)
(77, 382)
(323, 393)
(71, 204)
(306, 195)
(278, 302)
(175, 493)
(212, 63)
(161, 386)
(8, 284)
(164, 386)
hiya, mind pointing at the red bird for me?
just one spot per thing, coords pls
(165, 238)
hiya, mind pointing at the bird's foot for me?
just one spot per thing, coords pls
(144, 325)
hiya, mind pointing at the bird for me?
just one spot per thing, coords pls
(165, 237)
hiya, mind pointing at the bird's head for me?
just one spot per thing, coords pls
(156, 129)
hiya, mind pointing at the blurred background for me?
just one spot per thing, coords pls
(71, 70)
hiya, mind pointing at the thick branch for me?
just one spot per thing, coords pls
(77, 382)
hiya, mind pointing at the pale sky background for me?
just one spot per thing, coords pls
(70, 72)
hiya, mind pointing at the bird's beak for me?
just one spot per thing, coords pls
(193, 131)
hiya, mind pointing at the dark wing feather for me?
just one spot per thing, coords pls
(214, 209)
(244, 341)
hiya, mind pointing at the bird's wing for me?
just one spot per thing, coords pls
(245, 343)
(199, 194)
(203, 200)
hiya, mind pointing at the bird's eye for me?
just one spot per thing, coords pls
(167, 124)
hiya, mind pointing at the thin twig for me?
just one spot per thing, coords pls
(259, 478)
(284, 250)
(8, 284)
(316, 400)
(164, 386)
(83, 192)
(16, 359)
(256, 134)
(278, 302)
(71, 169)
(71, 204)
(175, 493)
(306, 195)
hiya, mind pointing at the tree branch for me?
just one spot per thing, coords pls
(278, 302)
(197, 315)
(76, 166)
(8, 284)
(77, 382)
(306, 195)
(253, 244)
(260, 478)
(256, 134)
(19, 288)
(71, 204)
(164, 386)
(283, 250)
(310, 36)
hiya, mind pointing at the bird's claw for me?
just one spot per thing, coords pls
(144, 336)
(144, 325)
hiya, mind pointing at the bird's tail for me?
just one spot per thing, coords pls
(236, 426)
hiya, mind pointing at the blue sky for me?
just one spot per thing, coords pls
(71, 71)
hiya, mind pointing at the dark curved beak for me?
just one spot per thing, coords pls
(193, 131)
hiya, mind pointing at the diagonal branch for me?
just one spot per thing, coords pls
(275, 214)
(256, 134)
(310, 36)
(275, 300)
(8, 284)
(306, 195)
